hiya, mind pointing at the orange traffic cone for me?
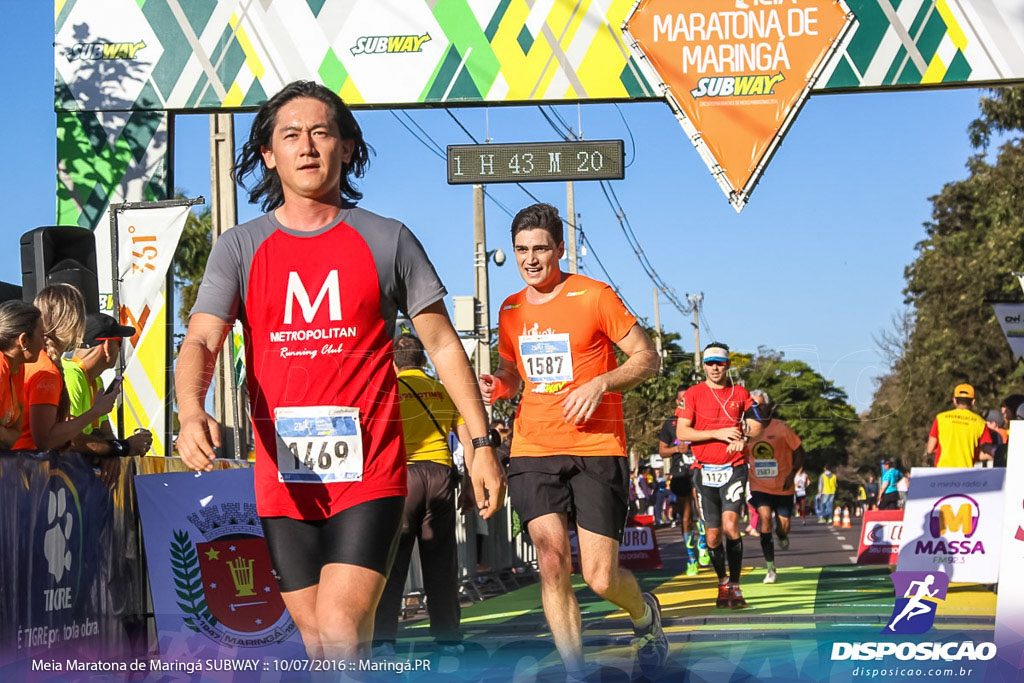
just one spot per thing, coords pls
(836, 518)
(846, 518)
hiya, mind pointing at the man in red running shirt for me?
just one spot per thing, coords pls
(717, 418)
(317, 283)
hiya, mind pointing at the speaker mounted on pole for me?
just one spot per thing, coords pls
(60, 254)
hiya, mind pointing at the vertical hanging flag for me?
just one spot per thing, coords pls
(147, 237)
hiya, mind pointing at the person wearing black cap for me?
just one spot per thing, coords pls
(98, 353)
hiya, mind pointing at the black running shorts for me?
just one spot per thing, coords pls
(782, 505)
(730, 496)
(591, 489)
(682, 483)
(365, 535)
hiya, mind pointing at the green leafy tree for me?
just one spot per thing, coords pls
(648, 405)
(973, 243)
(813, 406)
(190, 259)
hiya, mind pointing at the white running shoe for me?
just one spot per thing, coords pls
(770, 576)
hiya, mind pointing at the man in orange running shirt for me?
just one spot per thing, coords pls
(569, 465)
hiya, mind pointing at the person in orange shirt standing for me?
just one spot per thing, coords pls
(21, 340)
(773, 458)
(568, 463)
(47, 407)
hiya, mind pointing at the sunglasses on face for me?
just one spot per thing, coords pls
(716, 363)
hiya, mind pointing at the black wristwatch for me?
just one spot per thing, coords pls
(491, 440)
(118, 447)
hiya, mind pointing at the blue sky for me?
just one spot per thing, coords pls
(813, 266)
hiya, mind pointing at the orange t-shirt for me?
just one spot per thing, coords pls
(770, 459)
(558, 346)
(43, 384)
(11, 390)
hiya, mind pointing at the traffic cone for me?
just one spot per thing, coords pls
(836, 518)
(846, 518)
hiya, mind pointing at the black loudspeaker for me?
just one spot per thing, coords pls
(9, 292)
(60, 254)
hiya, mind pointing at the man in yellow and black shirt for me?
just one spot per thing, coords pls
(959, 437)
(428, 417)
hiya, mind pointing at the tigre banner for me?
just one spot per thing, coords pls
(146, 240)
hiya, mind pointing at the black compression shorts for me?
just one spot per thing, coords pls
(730, 496)
(365, 535)
(590, 489)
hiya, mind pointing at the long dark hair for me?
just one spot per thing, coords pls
(267, 190)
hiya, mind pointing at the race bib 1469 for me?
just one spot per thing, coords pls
(318, 444)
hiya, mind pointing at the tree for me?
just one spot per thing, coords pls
(190, 259)
(972, 245)
(647, 406)
(813, 406)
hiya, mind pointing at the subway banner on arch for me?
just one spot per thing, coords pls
(147, 238)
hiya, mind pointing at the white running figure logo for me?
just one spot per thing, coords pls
(916, 606)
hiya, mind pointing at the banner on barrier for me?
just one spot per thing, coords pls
(952, 522)
(880, 536)
(61, 597)
(639, 547)
(1009, 634)
(214, 593)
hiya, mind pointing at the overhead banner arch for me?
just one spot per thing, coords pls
(735, 72)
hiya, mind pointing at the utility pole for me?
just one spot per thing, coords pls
(695, 302)
(481, 286)
(657, 322)
(224, 215)
(570, 200)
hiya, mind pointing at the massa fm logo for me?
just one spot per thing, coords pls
(381, 45)
(763, 451)
(951, 523)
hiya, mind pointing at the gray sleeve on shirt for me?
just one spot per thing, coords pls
(417, 285)
(221, 289)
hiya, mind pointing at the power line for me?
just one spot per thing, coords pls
(627, 229)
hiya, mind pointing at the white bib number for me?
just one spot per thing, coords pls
(547, 358)
(766, 469)
(716, 476)
(318, 445)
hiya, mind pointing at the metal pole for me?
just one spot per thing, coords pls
(116, 310)
(482, 288)
(657, 322)
(570, 200)
(224, 215)
(696, 300)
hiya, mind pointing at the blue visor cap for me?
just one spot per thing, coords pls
(716, 354)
